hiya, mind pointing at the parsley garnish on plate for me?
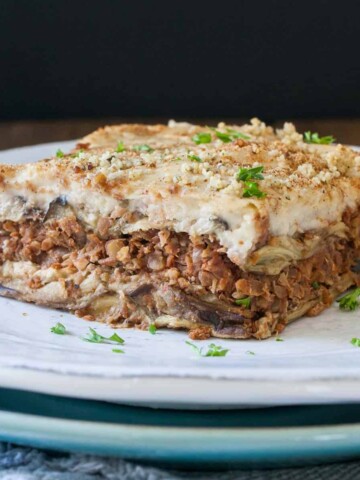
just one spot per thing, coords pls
(194, 158)
(117, 350)
(95, 337)
(350, 300)
(152, 329)
(200, 138)
(143, 148)
(120, 147)
(213, 350)
(245, 302)
(230, 135)
(59, 153)
(252, 190)
(279, 339)
(59, 329)
(248, 352)
(355, 341)
(310, 137)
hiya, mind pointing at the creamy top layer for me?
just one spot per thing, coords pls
(170, 180)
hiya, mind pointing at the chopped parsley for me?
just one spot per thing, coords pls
(279, 339)
(355, 341)
(117, 350)
(250, 353)
(120, 147)
(152, 329)
(199, 138)
(194, 158)
(95, 337)
(245, 174)
(350, 300)
(76, 154)
(230, 135)
(59, 153)
(213, 350)
(245, 302)
(143, 148)
(315, 285)
(59, 329)
(252, 190)
(314, 138)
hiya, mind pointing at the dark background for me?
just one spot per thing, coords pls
(272, 59)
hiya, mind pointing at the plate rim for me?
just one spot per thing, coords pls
(170, 391)
(160, 443)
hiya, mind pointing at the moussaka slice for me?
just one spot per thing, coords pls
(229, 232)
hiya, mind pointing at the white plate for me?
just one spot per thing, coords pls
(314, 364)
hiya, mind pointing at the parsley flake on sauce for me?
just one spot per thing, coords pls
(59, 153)
(213, 350)
(120, 147)
(350, 300)
(310, 137)
(59, 329)
(252, 190)
(143, 148)
(95, 337)
(245, 302)
(194, 158)
(245, 174)
(200, 138)
(230, 135)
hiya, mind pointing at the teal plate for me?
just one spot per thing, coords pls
(265, 437)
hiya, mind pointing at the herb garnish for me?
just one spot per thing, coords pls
(143, 148)
(279, 339)
(120, 147)
(245, 174)
(231, 135)
(250, 353)
(199, 138)
(152, 329)
(213, 350)
(315, 285)
(350, 300)
(95, 337)
(252, 190)
(245, 302)
(117, 350)
(59, 153)
(194, 158)
(314, 138)
(355, 341)
(76, 154)
(59, 329)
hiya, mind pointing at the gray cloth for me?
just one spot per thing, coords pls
(21, 463)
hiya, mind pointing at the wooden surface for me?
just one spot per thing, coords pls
(19, 133)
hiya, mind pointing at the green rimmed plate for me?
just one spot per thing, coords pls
(204, 439)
